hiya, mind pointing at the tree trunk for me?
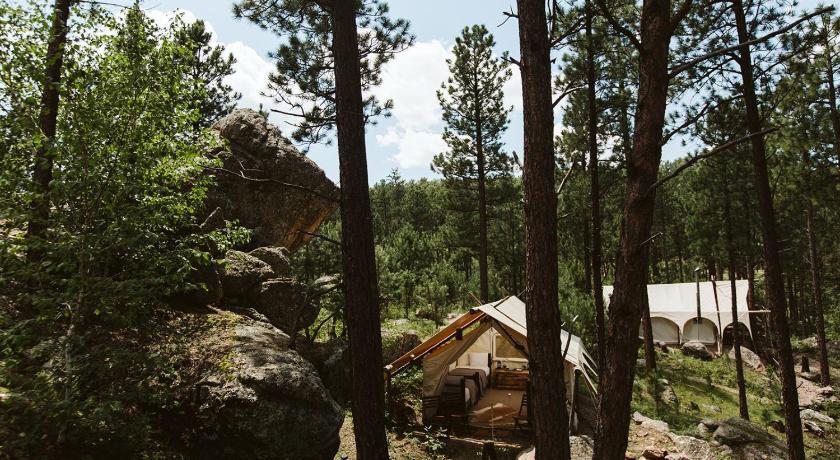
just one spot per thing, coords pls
(793, 305)
(551, 425)
(736, 331)
(832, 92)
(42, 173)
(773, 267)
(631, 274)
(650, 350)
(482, 216)
(595, 187)
(816, 281)
(360, 284)
(587, 243)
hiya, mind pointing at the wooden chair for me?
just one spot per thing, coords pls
(521, 420)
(450, 407)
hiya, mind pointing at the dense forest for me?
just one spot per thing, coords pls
(178, 279)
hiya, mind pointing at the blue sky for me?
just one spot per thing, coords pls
(408, 140)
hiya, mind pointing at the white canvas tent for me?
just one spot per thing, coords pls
(480, 330)
(673, 310)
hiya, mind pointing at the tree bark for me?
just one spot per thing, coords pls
(832, 92)
(816, 280)
(359, 264)
(773, 267)
(482, 215)
(42, 173)
(650, 350)
(627, 303)
(736, 331)
(551, 426)
(595, 187)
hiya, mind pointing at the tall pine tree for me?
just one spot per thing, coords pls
(335, 51)
(475, 117)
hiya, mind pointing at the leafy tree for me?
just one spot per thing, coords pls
(475, 118)
(125, 240)
(207, 67)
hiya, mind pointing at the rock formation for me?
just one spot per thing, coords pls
(266, 185)
(697, 350)
(262, 400)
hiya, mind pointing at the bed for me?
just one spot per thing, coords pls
(475, 373)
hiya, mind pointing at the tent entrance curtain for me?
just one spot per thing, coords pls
(705, 330)
(436, 365)
(664, 330)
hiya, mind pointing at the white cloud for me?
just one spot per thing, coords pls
(513, 90)
(411, 80)
(251, 75)
(415, 149)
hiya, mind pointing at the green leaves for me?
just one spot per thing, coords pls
(303, 83)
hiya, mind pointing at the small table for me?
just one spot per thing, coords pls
(509, 379)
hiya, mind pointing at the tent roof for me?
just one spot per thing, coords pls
(682, 297)
(510, 313)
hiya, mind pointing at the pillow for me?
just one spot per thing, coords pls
(463, 361)
(452, 366)
(478, 359)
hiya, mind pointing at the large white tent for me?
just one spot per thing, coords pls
(479, 332)
(673, 310)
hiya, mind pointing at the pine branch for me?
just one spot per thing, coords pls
(627, 33)
(708, 154)
(691, 63)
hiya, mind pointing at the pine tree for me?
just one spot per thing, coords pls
(476, 118)
(207, 67)
(551, 422)
(335, 51)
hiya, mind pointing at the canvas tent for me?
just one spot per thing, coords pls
(496, 329)
(673, 310)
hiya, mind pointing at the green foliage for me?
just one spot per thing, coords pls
(128, 181)
(303, 83)
(207, 67)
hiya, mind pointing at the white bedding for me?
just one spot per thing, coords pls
(486, 369)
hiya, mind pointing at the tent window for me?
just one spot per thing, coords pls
(505, 349)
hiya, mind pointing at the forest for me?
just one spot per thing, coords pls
(180, 279)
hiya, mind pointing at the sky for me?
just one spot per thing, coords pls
(409, 139)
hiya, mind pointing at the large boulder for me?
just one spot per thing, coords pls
(332, 359)
(749, 358)
(266, 185)
(396, 344)
(748, 440)
(276, 258)
(284, 302)
(697, 350)
(262, 400)
(241, 273)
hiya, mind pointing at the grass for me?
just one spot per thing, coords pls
(712, 383)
